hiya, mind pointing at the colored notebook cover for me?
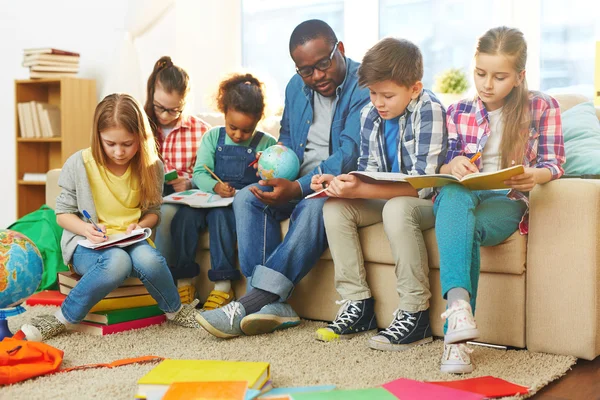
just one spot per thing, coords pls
(137, 301)
(408, 389)
(285, 391)
(127, 314)
(46, 298)
(169, 371)
(101, 330)
(223, 390)
(488, 386)
(358, 394)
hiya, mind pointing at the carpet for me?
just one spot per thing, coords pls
(296, 359)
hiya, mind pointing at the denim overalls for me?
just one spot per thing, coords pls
(231, 166)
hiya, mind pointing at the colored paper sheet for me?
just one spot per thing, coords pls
(284, 391)
(358, 394)
(488, 386)
(408, 389)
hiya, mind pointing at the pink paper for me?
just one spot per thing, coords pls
(408, 389)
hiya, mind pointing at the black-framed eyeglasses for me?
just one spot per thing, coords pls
(322, 65)
(175, 112)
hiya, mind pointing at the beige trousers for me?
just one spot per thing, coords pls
(404, 220)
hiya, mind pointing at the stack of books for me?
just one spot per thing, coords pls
(50, 63)
(129, 306)
(38, 120)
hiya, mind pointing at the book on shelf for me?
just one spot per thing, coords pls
(69, 278)
(41, 59)
(119, 239)
(38, 120)
(198, 199)
(102, 330)
(35, 119)
(51, 75)
(111, 317)
(256, 374)
(55, 68)
(34, 177)
(49, 50)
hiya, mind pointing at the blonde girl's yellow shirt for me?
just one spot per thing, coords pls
(117, 198)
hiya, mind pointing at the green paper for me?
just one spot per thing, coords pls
(357, 394)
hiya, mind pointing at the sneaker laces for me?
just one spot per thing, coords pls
(463, 351)
(347, 313)
(455, 307)
(397, 326)
(231, 310)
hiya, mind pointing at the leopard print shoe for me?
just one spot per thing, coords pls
(43, 328)
(186, 316)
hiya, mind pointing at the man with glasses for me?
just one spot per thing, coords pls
(321, 123)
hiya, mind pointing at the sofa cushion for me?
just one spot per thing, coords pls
(581, 130)
(508, 257)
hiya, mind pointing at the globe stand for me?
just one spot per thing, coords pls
(4, 314)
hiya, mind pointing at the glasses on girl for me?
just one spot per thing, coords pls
(158, 109)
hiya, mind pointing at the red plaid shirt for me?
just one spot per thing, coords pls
(468, 131)
(180, 146)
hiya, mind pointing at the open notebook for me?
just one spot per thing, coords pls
(198, 199)
(119, 239)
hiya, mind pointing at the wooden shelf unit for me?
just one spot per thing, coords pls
(77, 100)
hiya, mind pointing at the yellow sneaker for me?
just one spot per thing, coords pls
(217, 299)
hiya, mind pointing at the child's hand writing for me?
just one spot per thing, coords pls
(180, 184)
(133, 227)
(92, 234)
(317, 181)
(461, 166)
(224, 190)
(345, 186)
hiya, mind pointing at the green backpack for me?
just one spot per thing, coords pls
(40, 226)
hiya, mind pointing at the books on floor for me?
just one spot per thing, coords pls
(221, 390)
(111, 317)
(256, 374)
(101, 329)
(130, 287)
(38, 120)
(50, 63)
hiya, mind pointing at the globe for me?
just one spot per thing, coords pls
(21, 268)
(278, 162)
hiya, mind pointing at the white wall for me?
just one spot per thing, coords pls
(90, 28)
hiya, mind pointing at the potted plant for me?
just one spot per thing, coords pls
(451, 86)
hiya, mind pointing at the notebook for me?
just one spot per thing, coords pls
(219, 390)
(198, 199)
(119, 239)
(170, 371)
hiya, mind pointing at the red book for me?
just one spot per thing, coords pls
(101, 330)
(46, 298)
(49, 50)
(488, 386)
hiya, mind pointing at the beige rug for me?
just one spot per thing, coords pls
(296, 359)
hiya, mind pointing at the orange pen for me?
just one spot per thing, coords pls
(475, 157)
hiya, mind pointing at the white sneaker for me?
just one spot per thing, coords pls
(461, 323)
(456, 359)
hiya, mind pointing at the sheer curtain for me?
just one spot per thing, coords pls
(125, 75)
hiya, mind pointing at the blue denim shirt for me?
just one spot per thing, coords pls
(345, 126)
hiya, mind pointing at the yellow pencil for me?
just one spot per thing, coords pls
(213, 174)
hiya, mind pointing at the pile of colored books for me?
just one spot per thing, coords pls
(129, 306)
(50, 63)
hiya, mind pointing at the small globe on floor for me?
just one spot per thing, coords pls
(278, 162)
(21, 268)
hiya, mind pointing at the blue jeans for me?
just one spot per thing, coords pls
(162, 240)
(187, 225)
(466, 220)
(103, 271)
(276, 265)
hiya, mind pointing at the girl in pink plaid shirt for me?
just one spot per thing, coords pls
(506, 124)
(178, 136)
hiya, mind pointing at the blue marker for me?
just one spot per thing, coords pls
(89, 218)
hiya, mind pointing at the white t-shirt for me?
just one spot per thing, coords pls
(491, 157)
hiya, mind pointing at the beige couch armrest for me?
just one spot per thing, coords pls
(563, 268)
(52, 188)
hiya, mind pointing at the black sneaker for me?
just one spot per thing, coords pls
(353, 318)
(406, 330)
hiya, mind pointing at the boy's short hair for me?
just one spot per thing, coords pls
(397, 60)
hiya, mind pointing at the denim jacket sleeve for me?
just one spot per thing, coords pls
(345, 152)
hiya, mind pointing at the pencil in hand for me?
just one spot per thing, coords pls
(213, 175)
(475, 157)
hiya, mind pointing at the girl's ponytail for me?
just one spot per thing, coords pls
(243, 93)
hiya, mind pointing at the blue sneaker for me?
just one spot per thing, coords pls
(223, 322)
(270, 318)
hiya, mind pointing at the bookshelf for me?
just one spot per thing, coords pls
(76, 99)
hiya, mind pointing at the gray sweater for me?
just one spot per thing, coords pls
(76, 196)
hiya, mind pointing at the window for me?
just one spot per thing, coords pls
(567, 47)
(446, 31)
(266, 29)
